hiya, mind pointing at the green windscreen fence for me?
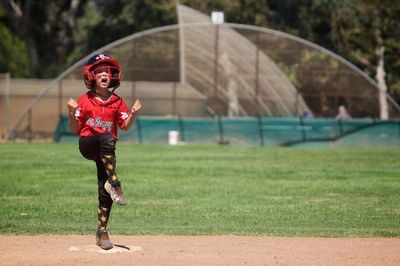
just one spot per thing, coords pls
(262, 131)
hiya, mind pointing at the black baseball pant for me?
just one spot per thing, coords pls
(95, 148)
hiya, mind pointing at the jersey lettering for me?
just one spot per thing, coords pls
(97, 122)
(124, 115)
(77, 113)
(96, 116)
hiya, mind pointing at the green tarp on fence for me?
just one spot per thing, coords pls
(256, 131)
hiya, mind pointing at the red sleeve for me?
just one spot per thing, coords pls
(122, 114)
(80, 113)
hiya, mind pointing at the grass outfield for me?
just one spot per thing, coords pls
(205, 190)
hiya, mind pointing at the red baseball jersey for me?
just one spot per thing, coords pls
(97, 116)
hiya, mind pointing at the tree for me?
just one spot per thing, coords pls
(124, 17)
(58, 33)
(46, 27)
(14, 54)
(252, 12)
(363, 32)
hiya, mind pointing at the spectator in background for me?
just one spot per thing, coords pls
(342, 113)
(307, 115)
(327, 112)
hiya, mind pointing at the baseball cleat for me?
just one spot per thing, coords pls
(103, 240)
(116, 193)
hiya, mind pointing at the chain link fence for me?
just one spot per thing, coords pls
(202, 70)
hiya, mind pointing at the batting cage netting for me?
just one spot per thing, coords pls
(218, 72)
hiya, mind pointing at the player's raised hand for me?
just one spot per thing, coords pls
(72, 105)
(136, 106)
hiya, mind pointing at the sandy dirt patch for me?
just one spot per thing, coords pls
(198, 250)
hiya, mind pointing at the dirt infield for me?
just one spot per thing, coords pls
(198, 250)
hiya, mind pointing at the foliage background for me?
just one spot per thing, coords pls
(39, 39)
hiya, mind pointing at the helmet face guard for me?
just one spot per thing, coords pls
(109, 66)
(113, 73)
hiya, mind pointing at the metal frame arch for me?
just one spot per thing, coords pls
(200, 24)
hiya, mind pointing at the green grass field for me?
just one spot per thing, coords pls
(205, 190)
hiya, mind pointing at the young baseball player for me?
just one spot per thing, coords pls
(95, 118)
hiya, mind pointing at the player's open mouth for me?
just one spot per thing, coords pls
(104, 81)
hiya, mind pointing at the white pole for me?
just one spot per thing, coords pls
(7, 106)
(380, 77)
(181, 49)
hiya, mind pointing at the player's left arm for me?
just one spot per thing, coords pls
(132, 115)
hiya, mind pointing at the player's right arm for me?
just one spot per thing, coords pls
(72, 116)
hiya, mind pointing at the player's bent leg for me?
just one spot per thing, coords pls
(107, 155)
(89, 147)
(113, 185)
(116, 194)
